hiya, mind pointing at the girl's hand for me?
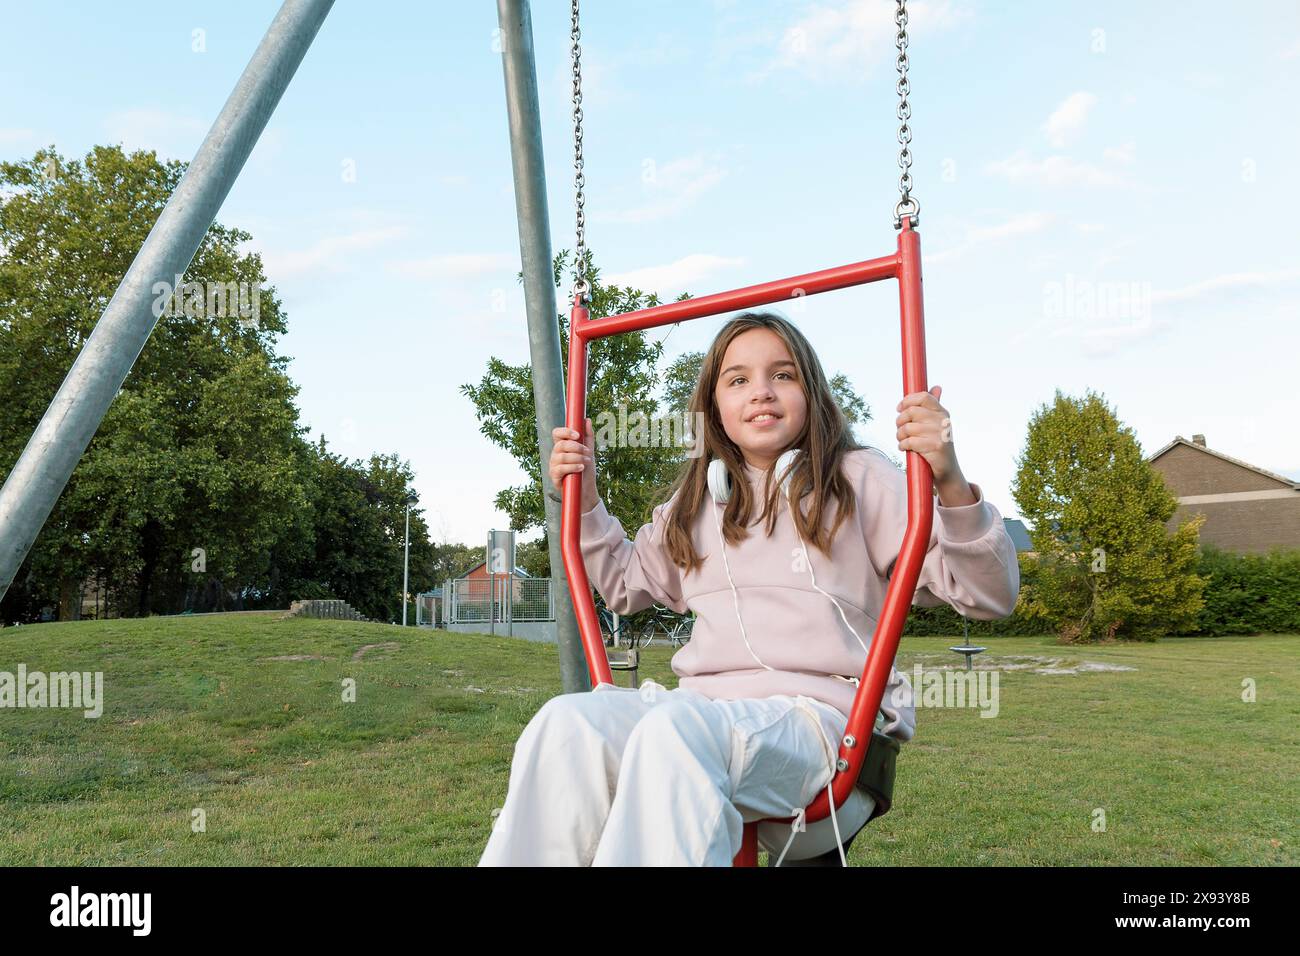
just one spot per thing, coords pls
(925, 428)
(569, 455)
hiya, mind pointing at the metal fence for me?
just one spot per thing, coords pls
(485, 601)
(429, 610)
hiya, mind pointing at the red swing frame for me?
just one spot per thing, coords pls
(905, 266)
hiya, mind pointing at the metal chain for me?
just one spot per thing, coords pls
(907, 203)
(580, 287)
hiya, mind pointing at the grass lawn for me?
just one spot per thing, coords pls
(197, 718)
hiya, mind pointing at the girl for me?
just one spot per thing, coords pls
(669, 777)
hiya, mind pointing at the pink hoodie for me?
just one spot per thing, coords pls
(794, 630)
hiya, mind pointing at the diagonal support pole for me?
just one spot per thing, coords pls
(34, 485)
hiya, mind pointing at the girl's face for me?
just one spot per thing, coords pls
(759, 396)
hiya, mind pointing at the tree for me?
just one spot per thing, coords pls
(534, 558)
(1107, 567)
(451, 560)
(358, 536)
(192, 478)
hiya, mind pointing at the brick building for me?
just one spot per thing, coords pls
(1247, 509)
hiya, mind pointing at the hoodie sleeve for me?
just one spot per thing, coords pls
(897, 716)
(970, 563)
(630, 576)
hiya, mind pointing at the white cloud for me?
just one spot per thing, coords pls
(672, 188)
(178, 136)
(1120, 154)
(1063, 126)
(1131, 315)
(1067, 119)
(850, 37)
(460, 266)
(328, 253)
(943, 255)
(1233, 280)
(1020, 167)
(1292, 52)
(1022, 224)
(1205, 81)
(15, 137)
(171, 135)
(506, 325)
(1088, 331)
(1115, 252)
(1106, 340)
(680, 276)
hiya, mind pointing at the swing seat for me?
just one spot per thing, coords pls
(628, 660)
(872, 796)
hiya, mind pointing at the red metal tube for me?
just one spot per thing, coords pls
(779, 290)
(905, 265)
(575, 568)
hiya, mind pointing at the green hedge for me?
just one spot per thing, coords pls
(1250, 593)
(1244, 594)
(943, 621)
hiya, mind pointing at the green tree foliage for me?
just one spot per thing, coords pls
(1106, 566)
(357, 537)
(198, 449)
(451, 560)
(534, 558)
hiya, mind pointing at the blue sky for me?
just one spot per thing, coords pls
(1108, 192)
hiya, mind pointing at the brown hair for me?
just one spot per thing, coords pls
(825, 439)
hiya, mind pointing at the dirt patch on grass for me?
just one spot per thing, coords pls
(1035, 664)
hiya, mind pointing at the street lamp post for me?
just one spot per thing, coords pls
(406, 560)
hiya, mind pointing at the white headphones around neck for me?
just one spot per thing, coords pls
(720, 478)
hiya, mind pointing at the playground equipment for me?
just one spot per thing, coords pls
(966, 647)
(868, 765)
(42, 471)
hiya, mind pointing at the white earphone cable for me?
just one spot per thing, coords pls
(734, 595)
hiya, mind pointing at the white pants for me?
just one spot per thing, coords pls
(653, 777)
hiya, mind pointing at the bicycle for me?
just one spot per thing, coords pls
(620, 636)
(664, 623)
(682, 632)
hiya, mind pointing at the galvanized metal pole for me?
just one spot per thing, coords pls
(529, 170)
(42, 471)
(406, 562)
